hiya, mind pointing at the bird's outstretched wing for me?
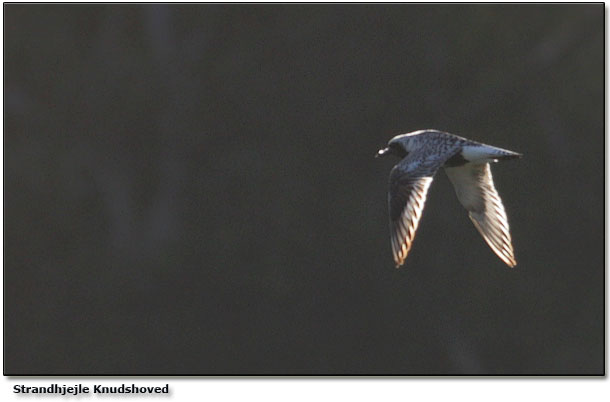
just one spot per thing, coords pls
(409, 182)
(475, 189)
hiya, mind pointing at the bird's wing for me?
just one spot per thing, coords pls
(475, 190)
(409, 182)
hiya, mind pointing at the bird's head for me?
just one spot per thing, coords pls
(397, 146)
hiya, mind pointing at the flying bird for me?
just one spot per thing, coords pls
(466, 163)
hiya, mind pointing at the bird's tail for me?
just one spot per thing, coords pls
(510, 155)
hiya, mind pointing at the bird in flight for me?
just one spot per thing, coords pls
(466, 163)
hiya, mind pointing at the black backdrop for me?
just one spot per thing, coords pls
(192, 190)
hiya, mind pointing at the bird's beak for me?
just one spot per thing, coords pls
(382, 152)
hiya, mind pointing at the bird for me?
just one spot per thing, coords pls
(467, 164)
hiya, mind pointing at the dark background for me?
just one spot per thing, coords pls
(192, 190)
